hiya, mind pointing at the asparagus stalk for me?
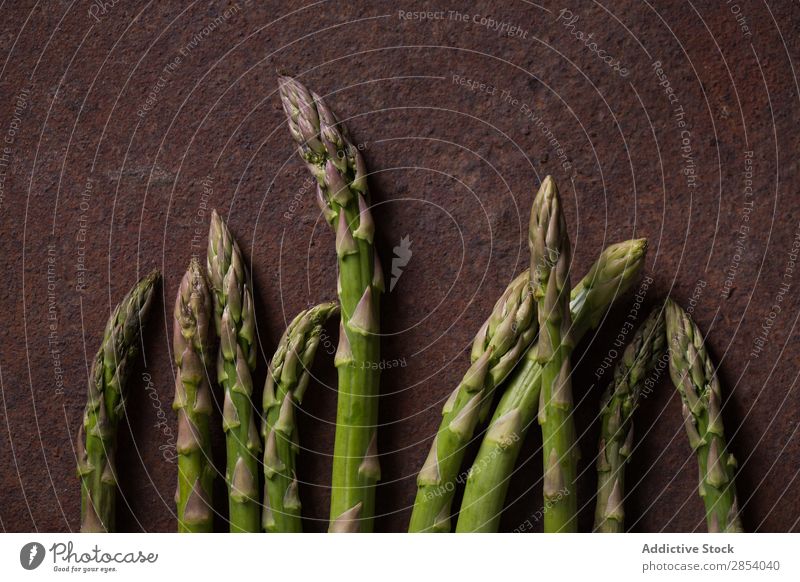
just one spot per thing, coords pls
(695, 377)
(342, 195)
(192, 345)
(550, 260)
(497, 348)
(105, 407)
(287, 380)
(234, 319)
(616, 425)
(614, 272)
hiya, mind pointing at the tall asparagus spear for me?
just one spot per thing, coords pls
(550, 260)
(192, 344)
(235, 323)
(499, 344)
(695, 377)
(621, 398)
(342, 195)
(487, 484)
(287, 380)
(105, 407)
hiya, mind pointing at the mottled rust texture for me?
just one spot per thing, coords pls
(455, 166)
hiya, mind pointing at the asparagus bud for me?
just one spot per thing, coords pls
(338, 166)
(695, 377)
(105, 406)
(234, 317)
(620, 400)
(194, 362)
(289, 374)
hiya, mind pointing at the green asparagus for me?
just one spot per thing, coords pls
(287, 380)
(234, 319)
(614, 272)
(550, 260)
(695, 377)
(191, 342)
(620, 400)
(342, 195)
(497, 348)
(105, 407)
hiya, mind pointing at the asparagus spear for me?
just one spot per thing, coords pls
(234, 319)
(487, 484)
(695, 378)
(192, 344)
(616, 425)
(499, 344)
(343, 198)
(105, 407)
(550, 259)
(287, 380)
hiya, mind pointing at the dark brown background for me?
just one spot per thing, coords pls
(453, 169)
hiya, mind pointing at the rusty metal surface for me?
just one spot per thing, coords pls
(123, 123)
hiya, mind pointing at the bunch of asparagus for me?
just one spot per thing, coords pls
(540, 387)
(228, 298)
(614, 272)
(522, 352)
(498, 346)
(342, 193)
(540, 384)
